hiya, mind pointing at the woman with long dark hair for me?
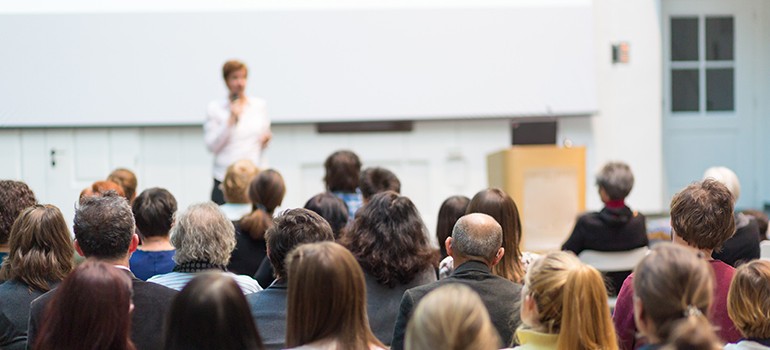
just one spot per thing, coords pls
(90, 310)
(390, 242)
(211, 313)
(326, 306)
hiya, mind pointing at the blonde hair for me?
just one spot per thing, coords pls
(571, 300)
(748, 301)
(235, 186)
(675, 286)
(453, 318)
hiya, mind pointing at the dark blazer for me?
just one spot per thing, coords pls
(151, 304)
(15, 297)
(268, 308)
(743, 245)
(382, 302)
(500, 296)
(247, 255)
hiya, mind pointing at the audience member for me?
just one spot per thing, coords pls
(104, 230)
(15, 196)
(154, 212)
(673, 290)
(90, 310)
(99, 188)
(127, 181)
(748, 303)
(476, 246)
(616, 227)
(451, 317)
(744, 245)
(266, 193)
(451, 209)
(331, 208)
(762, 221)
(701, 218)
(204, 239)
(335, 318)
(268, 307)
(376, 180)
(342, 176)
(40, 257)
(501, 207)
(564, 306)
(235, 188)
(210, 313)
(390, 242)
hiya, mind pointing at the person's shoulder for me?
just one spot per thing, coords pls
(153, 288)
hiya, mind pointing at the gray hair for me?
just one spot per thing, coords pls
(477, 235)
(727, 177)
(104, 226)
(203, 233)
(616, 179)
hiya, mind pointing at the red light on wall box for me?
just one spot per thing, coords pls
(620, 52)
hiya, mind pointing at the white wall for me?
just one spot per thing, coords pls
(436, 160)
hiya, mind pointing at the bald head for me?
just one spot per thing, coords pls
(477, 235)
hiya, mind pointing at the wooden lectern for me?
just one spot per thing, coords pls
(548, 185)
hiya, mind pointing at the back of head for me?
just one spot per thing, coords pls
(477, 236)
(327, 298)
(331, 208)
(342, 171)
(89, 310)
(99, 188)
(673, 283)
(616, 179)
(499, 205)
(289, 230)
(104, 226)
(266, 193)
(572, 301)
(702, 214)
(452, 209)
(761, 218)
(389, 239)
(40, 248)
(726, 177)
(236, 182)
(693, 333)
(203, 234)
(376, 180)
(154, 211)
(748, 301)
(452, 317)
(127, 180)
(15, 196)
(211, 313)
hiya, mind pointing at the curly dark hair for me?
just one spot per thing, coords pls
(389, 240)
(15, 196)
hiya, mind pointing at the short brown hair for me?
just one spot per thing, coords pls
(377, 180)
(154, 211)
(233, 66)
(702, 214)
(292, 228)
(749, 299)
(342, 171)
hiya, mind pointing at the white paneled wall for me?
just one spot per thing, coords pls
(436, 160)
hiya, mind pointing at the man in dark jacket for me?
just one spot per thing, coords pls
(475, 246)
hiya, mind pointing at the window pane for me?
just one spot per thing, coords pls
(720, 90)
(684, 39)
(684, 90)
(719, 38)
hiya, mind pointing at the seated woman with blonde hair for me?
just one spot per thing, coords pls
(452, 317)
(748, 303)
(564, 306)
(327, 300)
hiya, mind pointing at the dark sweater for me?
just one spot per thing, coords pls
(743, 246)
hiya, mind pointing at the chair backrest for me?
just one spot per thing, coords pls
(764, 250)
(624, 260)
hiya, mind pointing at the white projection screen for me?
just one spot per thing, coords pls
(312, 64)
